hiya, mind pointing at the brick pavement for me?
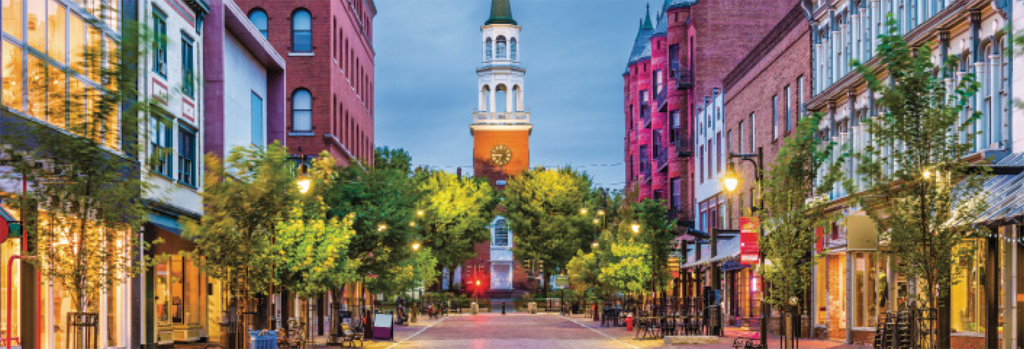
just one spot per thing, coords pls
(520, 330)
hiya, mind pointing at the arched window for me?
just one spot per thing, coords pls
(259, 19)
(501, 48)
(500, 232)
(302, 31)
(515, 95)
(302, 111)
(485, 98)
(514, 49)
(487, 49)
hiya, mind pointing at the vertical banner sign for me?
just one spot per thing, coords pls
(819, 245)
(748, 240)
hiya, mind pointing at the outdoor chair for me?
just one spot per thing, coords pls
(350, 336)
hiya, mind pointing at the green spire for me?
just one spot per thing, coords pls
(501, 13)
(647, 21)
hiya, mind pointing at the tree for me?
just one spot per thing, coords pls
(383, 200)
(83, 210)
(628, 268)
(544, 211)
(244, 199)
(658, 233)
(419, 270)
(310, 250)
(792, 212)
(456, 212)
(920, 190)
(584, 270)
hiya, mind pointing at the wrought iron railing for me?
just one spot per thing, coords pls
(684, 78)
(683, 142)
(645, 114)
(662, 99)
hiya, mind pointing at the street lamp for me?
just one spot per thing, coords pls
(583, 211)
(382, 227)
(420, 213)
(302, 180)
(635, 226)
(730, 181)
(415, 246)
(600, 212)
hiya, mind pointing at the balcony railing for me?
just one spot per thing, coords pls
(662, 100)
(684, 78)
(661, 159)
(645, 114)
(683, 142)
(646, 171)
(522, 117)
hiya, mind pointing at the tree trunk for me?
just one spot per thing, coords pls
(944, 325)
(547, 283)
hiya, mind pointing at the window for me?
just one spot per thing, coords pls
(788, 127)
(256, 119)
(700, 161)
(753, 134)
(676, 187)
(514, 49)
(160, 54)
(259, 19)
(657, 82)
(11, 66)
(12, 20)
(488, 51)
(718, 150)
(799, 97)
(186, 156)
(673, 59)
(710, 159)
(775, 117)
(55, 31)
(739, 137)
(187, 67)
(160, 145)
(302, 31)
(500, 52)
(302, 111)
(500, 232)
(674, 122)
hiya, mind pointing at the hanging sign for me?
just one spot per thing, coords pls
(819, 245)
(748, 240)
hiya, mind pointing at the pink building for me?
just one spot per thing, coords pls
(673, 66)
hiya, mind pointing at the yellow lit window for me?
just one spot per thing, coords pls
(12, 76)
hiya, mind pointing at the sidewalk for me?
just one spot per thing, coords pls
(401, 333)
(731, 333)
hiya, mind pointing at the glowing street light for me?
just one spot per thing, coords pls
(302, 180)
(382, 227)
(583, 211)
(420, 213)
(600, 212)
(412, 224)
(730, 180)
(415, 246)
(635, 226)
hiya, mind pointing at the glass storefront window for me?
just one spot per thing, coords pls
(820, 291)
(36, 87)
(37, 25)
(864, 281)
(12, 10)
(162, 294)
(77, 43)
(12, 76)
(968, 297)
(55, 24)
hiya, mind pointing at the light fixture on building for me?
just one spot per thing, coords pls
(730, 180)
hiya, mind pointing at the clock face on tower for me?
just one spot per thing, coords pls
(501, 155)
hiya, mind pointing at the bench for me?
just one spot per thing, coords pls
(350, 336)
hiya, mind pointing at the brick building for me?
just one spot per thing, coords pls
(672, 68)
(328, 47)
(764, 97)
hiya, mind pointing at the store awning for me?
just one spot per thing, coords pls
(1005, 196)
(9, 226)
(728, 249)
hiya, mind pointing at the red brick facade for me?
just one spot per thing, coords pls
(712, 37)
(778, 62)
(339, 73)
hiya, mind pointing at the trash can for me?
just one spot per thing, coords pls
(263, 339)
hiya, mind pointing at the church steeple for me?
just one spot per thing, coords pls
(501, 13)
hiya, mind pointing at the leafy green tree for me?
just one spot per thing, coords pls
(383, 200)
(658, 233)
(419, 270)
(920, 189)
(544, 211)
(792, 212)
(455, 215)
(628, 266)
(584, 270)
(244, 198)
(83, 210)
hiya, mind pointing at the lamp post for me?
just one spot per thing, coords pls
(730, 181)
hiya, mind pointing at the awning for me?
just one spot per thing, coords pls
(728, 249)
(1005, 200)
(9, 226)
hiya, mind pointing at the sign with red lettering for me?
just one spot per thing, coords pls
(819, 246)
(748, 240)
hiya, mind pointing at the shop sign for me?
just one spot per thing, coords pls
(819, 245)
(748, 240)
(861, 233)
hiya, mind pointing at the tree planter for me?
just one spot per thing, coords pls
(82, 330)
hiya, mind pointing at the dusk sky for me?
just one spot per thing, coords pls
(574, 51)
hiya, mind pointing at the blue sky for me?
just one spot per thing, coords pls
(574, 51)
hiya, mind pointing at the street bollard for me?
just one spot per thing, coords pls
(502, 307)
